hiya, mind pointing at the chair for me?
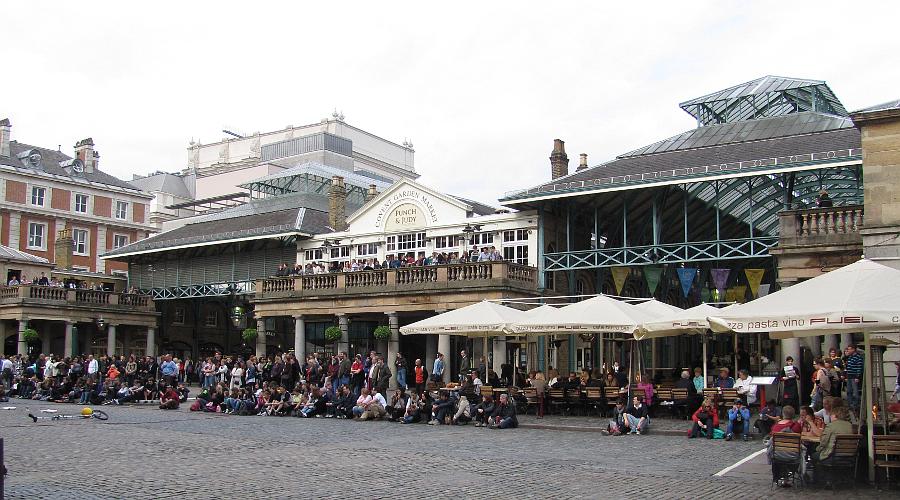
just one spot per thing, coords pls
(594, 398)
(487, 390)
(612, 395)
(889, 448)
(786, 457)
(556, 398)
(573, 400)
(841, 465)
(663, 399)
(680, 402)
(531, 400)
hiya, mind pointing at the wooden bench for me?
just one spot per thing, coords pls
(531, 400)
(594, 398)
(555, 398)
(680, 400)
(887, 447)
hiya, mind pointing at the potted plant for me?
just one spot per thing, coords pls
(382, 332)
(249, 335)
(30, 335)
(333, 334)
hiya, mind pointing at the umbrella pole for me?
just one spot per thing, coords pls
(735, 346)
(705, 336)
(866, 407)
(486, 358)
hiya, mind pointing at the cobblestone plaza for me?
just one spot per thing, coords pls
(142, 452)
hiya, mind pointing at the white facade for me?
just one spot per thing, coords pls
(411, 218)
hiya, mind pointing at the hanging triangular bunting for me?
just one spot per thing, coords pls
(704, 294)
(740, 293)
(620, 274)
(653, 275)
(686, 275)
(719, 277)
(754, 278)
(764, 289)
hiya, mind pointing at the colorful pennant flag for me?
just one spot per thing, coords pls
(764, 289)
(653, 275)
(719, 277)
(620, 274)
(754, 278)
(686, 275)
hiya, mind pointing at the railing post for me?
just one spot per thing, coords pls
(341, 280)
(442, 274)
(499, 270)
(71, 295)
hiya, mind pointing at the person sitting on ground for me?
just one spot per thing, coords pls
(787, 422)
(616, 426)
(413, 411)
(476, 382)
(504, 416)
(839, 425)
(636, 419)
(441, 409)
(706, 420)
(397, 410)
(768, 416)
(315, 406)
(376, 408)
(365, 397)
(463, 413)
(738, 417)
(183, 392)
(169, 400)
(484, 410)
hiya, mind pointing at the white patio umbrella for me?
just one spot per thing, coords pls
(597, 314)
(863, 296)
(483, 319)
(684, 321)
(658, 308)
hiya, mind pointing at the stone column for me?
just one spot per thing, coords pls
(300, 339)
(260, 337)
(23, 346)
(151, 341)
(67, 346)
(443, 347)
(430, 352)
(832, 342)
(111, 340)
(815, 345)
(790, 347)
(46, 336)
(344, 325)
(3, 339)
(846, 339)
(393, 347)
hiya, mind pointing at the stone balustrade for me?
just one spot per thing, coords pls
(442, 277)
(38, 294)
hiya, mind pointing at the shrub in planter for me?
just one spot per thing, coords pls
(332, 334)
(30, 335)
(382, 332)
(249, 334)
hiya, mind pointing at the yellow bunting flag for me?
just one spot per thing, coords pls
(620, 274)
(754, 278)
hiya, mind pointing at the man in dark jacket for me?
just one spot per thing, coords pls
(381, 377)
(504, 416)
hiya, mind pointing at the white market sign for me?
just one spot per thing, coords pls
(406, 209)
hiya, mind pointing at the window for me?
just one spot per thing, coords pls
(548, 280)
(178, 318)
(410, 241)
(121, 210)
(37, 195)
(481, 239)
(340, 252)
(81, 203)
(312, 255)
(367, 249)
(516, 253)
(515, 235)
(212, 318)
(80, 239)
(120, 240)
(36, 236)
(444, 242)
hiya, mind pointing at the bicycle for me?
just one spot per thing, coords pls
(98, 414)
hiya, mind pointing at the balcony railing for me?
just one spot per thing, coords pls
(821, 226)
(404, 278)
(55, 295)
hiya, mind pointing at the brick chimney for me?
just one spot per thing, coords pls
(84, 151)
(337, 204)
(582, 165)
(559, 161)
(5, 127)
(371, 193)
(63, 249)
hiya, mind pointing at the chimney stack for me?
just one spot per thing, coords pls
(559, 161)
(63, 249)
(371, 193)
(84, 151)
(5, 127)
(337, 204)
(582, 165)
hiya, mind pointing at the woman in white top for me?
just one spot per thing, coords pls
(222, 372)
(237, 373)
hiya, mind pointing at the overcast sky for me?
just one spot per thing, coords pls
(480, 88)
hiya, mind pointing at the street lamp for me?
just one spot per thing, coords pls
(237, 315)
(100, 323)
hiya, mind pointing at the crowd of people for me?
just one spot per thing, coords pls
(392, 261)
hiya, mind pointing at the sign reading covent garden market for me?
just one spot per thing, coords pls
(406, 209)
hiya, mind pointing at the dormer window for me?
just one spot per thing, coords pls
(31, 158)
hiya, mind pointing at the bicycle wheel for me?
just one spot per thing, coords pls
(100, 415)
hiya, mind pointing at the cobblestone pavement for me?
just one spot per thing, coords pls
(142, 452)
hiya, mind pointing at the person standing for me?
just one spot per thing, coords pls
(437, 372)
(464, 367)
(400, 366)
(419, 376)
(343, 372)
(169, 370)
(853, 373)
(790, 391)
